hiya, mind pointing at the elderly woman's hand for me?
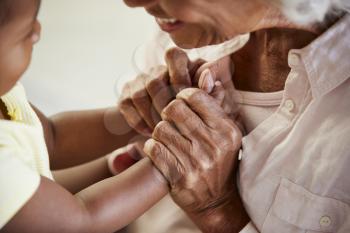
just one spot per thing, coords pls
(195, 147)
(144, 98)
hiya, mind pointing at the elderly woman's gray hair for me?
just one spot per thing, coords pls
(312, 11)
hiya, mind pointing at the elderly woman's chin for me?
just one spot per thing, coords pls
(191, 37)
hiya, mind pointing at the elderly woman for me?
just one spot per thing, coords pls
(292, 82)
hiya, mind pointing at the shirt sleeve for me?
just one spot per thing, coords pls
(18, 183)
(250, 228)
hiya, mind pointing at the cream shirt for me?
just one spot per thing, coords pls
(295, 171)
(23, 154)
(255, 107)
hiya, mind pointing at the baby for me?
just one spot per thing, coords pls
(72, 199)
(32, 198)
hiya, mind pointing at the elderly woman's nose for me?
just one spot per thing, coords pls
(140, 3)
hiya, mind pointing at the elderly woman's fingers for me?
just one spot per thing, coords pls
(240, 124)
(218, 93)
(168, 135)
(221, 70)
(130, 114)
(133, 117)
(143, 103)
(206, 81)
(178, 65)
(231, 109)
(204, 105)
(164, 160)
(158, 88)
(189, 124)
(212, 115)
(193, 66)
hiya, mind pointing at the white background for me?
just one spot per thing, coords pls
(86, 46)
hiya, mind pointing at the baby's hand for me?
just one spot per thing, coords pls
(123, 158)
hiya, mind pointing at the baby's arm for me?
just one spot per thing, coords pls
(104, 207)
(77, 178)
(74, 138)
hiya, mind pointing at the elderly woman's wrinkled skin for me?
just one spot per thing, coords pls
(196, 143)
(195, 148)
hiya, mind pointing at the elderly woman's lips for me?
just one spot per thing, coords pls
(169, 25)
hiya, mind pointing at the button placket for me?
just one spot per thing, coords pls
(296, 88)
(289, 105)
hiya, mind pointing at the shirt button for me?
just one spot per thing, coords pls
(325, 221)
(293, 59)
(240, 155)
(289, 105)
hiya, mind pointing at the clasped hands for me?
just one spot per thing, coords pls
(195, 135)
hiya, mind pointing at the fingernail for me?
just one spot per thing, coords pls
(206, 83)
(148, 146)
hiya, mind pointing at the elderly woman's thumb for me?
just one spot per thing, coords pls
(206, 81)
(208, 84)
(220, 70)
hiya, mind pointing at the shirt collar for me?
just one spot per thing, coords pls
(326, 59)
